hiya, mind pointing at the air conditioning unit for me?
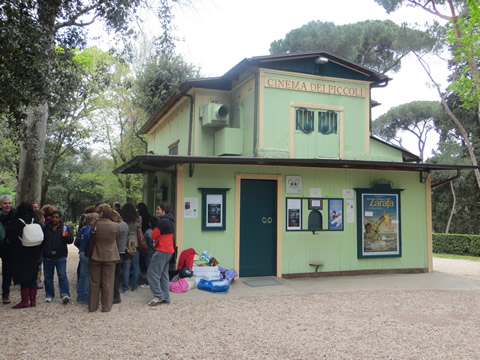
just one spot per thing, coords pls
(215, 115)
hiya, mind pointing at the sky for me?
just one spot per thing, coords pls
(217, 34)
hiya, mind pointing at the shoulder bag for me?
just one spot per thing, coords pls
(91, 241)
(142, 243)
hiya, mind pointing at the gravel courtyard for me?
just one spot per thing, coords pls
(411, 316)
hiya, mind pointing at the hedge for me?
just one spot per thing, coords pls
(456, 244)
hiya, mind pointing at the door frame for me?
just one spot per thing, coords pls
(238, 179)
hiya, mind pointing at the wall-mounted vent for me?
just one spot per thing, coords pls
(215, 115)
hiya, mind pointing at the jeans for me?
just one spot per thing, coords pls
(83, 283)
(157, 275)
(49, 266)
(127, 264)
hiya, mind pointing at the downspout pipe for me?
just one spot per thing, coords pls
(459, 172)
(190, 131)
(255, 117)
(381, 84)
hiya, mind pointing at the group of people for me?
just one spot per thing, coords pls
(22, 263)
(108, 271)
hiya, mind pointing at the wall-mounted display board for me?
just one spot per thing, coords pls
(213, 208)
(314, 214)
(379, 223)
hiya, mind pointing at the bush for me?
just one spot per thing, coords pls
(456, 244)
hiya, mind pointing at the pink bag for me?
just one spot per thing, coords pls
(179, 286)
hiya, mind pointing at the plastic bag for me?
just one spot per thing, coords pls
(216, 286)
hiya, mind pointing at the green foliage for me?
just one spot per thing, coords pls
(378, 45)
(456, 244)
(159, 77)
(466, 50)
(417, 118)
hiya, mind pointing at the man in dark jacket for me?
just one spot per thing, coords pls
(7, 216)
(55, 251)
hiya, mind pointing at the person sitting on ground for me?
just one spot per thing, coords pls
(57, 236)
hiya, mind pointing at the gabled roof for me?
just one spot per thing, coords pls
(296, 62)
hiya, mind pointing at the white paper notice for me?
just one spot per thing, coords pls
(315, 192)
(190, 208)
(348, 193)
(350, 212)
(368, 213)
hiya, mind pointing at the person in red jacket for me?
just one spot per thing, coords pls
(157, 273)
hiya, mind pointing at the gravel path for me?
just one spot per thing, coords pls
(266, 323)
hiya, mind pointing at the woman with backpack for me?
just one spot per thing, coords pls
(134, 222)
(25, 258)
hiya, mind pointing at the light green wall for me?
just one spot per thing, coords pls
(382, 152)
(277, 121)
(337, 250)
(174, 127)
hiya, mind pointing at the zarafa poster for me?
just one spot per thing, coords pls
(380, 222)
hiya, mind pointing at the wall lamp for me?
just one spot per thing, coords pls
(321, 60)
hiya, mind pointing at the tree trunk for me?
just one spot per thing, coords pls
(33, 150)
(32, 153)
(447, 229)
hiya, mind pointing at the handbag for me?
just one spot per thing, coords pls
(91, 242)
(131, 249)
(142, 243)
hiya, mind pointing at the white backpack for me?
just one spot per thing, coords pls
(32, 234)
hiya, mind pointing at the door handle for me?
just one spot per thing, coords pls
(269, 220)
(264, 220)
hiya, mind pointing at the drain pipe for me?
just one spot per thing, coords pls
(190, 130)
(255, 117)
(459, 172)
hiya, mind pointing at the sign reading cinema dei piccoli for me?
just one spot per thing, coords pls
(315, 87)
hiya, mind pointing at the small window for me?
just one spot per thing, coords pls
(173, 148)
(327, 122)
(305, 120)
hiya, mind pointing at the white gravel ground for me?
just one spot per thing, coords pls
(301, 319)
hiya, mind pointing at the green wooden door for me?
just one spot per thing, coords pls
(258, 225)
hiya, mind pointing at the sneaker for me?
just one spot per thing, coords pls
(155, 301)
(66, 299)
(145, 286)
(48, 299)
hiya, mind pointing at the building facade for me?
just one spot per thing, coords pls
(272, 168)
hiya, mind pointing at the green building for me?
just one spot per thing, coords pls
(273, 169)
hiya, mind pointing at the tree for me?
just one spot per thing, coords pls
(378, 45)
(464, 20)
(31, 30)
(416, 118)
(160, 76)
(72, 104)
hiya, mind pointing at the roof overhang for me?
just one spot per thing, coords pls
(150, 163)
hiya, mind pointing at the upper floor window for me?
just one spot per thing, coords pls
(327, 121)
(173, 148)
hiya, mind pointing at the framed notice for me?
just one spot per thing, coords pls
(294, 214)
(213, 209)
(335, 214)
(378, 214)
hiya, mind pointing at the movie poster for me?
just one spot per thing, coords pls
(380, 224)
(335, 214)
(214, 211)
(294, 214)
